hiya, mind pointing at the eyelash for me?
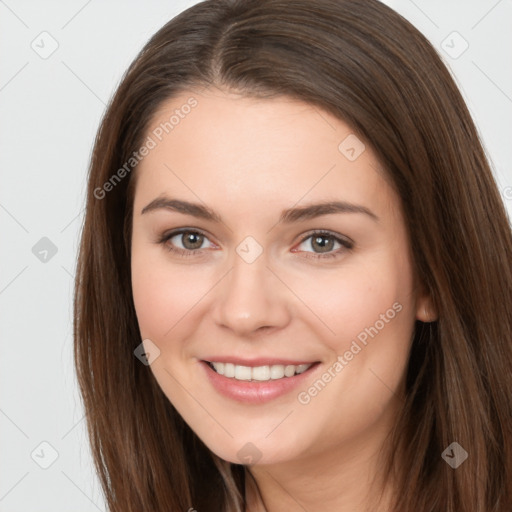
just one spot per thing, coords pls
(345, 242)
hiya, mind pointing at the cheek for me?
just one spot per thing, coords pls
(161, 297)
(370, 310)
(357, 301)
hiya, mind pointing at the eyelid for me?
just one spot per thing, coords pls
(325, 232)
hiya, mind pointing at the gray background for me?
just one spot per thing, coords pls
(50, 107)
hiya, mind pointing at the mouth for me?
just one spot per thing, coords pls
(258, 383)
(257, 373)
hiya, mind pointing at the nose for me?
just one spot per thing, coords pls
(251, 299)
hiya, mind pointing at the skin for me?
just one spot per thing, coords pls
(248, 160)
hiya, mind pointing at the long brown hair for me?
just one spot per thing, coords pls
(365, 64)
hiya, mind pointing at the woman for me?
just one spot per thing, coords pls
(295, 272)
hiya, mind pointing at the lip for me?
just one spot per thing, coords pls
(251, 392)
(258, 361)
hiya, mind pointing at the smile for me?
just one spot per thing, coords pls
(258, 373)
(260, 382)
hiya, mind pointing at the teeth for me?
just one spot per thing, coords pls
(259, 373)
(229, 369)
(277, 371)
(289, 370)
(243, 373)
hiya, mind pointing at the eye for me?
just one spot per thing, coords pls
(185, 242)
(324, 244)
(191, 242)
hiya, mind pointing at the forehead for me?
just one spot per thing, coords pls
(223, 147)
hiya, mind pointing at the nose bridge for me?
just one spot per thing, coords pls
(249, 297)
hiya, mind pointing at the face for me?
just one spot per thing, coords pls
(266, 240)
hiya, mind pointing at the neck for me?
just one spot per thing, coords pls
(347, 477)
(273, 489)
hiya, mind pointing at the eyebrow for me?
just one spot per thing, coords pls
(287, 216)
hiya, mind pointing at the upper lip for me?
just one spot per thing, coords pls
(258, 361)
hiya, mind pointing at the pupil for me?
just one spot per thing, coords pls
(193, 241)
(324, 242)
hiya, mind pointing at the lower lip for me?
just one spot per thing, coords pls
(254, 392)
